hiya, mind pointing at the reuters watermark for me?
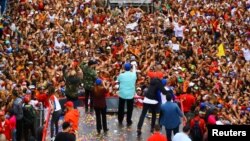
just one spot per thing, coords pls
(218, 132)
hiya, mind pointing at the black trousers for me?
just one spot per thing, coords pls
(169, 132)
(121, 107)
(54, 122)
(19, 129)
(88, 94)
(146, 107)
(28, 128)
(101, 120)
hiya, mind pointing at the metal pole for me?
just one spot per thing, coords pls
(41, 115)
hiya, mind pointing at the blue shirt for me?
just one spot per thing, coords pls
(127, 84)
(170, 115)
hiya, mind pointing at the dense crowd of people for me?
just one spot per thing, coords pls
(199, 50)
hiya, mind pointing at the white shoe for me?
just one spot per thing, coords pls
(52, 139)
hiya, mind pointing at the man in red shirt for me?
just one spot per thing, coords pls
(157, 72)
(202, 123)
(157, 136)
(5, 127)
(72, 116)
(202, 126)
(188, 100)
(42, 97)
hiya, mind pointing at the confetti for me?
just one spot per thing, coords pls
(87, 128)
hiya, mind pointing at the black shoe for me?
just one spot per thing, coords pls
(98, 131)
(105, 131)
(120, 123)
(129, 123)
(138, 132)
(86, 110)
(91, 110)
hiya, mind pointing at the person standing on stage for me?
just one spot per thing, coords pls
(150, 102)
(89, 77)
(99, 91)
(127, 81)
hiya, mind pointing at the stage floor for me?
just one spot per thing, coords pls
(87, 128)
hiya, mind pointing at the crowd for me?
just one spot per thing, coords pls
(200, 48)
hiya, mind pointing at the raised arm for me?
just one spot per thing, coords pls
(162, 89)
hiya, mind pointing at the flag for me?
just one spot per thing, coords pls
(221, 50)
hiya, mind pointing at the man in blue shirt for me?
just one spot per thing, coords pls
(170, 117)
(127, 81)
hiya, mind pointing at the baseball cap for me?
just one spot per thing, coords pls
(248, 109)
(32, 86)
(132, 58)
(92, 62)
(164, 81)
(127, 66)
(26, 99)
(69, 104)
(138, 88)
(98, 81)
(202, 105)
(219, 105)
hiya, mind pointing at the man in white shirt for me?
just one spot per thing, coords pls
(178, 30)
(183, 136)
(59, 44)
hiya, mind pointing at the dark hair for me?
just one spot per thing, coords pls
(65, 125)
(15, 93)
(186, 128)
(168, 97)
(51, 90)
(11, 112)
(196, 113)
(157, 127)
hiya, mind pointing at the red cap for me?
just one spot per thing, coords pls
(26, 99)
(69, 104)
